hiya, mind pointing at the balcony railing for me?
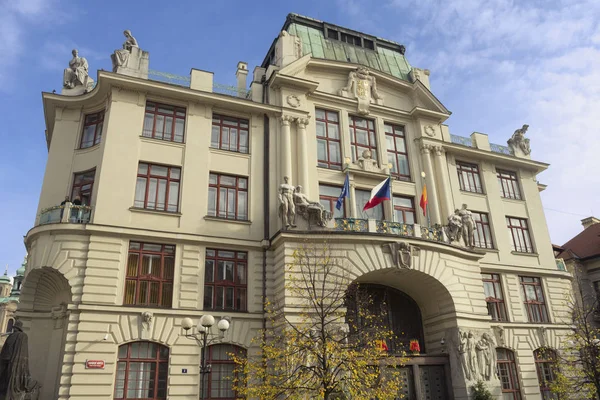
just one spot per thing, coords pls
(434, 233)
(67, 214)
(352, 224)
(395, 228)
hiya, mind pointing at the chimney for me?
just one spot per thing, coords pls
(242, 74)
(589, 221)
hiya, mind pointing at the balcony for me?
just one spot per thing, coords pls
(65, 214)
(434, 233)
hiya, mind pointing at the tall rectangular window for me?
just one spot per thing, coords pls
(164, 122)
(228, 197)
(362, 137)
(396, 151)
(509, 184)
(229, 133)
(83, 184)
(483, 234)
(329, 152)
(492, 288)
(468, 177)
(507, 372)
(547, 368)
(535, 304)
(328, 196)
(149, 278)
(92, 129)
(362, 197)
(404, 210)
(225, 280)
(157, 187)
(519, 234)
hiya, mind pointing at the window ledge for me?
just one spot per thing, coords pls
(162, 141)
(473, 193)
(145, 210)
(511, 200)
(520, 253)
(229, 152)
(237, 221)
(487, 250)
(83, 150)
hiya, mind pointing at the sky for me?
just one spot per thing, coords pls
(496, 64)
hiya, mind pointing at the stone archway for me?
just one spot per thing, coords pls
(44, 300)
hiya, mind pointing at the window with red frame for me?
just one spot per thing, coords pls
(519, 233)
(362, 137)
(492, 287)
(329, 152)
(164, 122)
(509, 184)
(229, 133)
(149, 278)
(225, 280)
(218, 384)
(142, 371)
(483, 234)
(507, 372)
(92, 129)
(534, 299)
(83, 183)
(157, 187)
(404, 210)
(546, 367)
(396, 151)
(228, 197)
(468, 177)
(328, 197)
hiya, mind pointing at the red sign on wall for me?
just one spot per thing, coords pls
(94, 364)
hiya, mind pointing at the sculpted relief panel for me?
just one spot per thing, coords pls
(362, 86)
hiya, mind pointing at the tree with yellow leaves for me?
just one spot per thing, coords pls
(328, 341)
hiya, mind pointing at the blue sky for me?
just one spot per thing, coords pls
(496, 64)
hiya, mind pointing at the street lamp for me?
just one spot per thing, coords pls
(204, 337)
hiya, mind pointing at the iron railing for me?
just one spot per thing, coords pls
(395, 228)
(497, 148)
(463, 141)
(352, 225)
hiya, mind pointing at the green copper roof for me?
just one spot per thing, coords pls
(4, 278)
(382, 59)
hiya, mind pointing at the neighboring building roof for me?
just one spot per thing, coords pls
(4, 278)
(585, 245)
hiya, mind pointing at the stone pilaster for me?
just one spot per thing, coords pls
(286, 146)
(444, 180)
(432, 197)
(303, 155)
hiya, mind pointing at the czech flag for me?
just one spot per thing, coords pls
(423, 202)
(381, 192)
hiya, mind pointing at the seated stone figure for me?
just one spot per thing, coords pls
(121, 56)
(307, 208)
(77, 74)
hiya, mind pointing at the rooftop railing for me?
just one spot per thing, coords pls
(462, 140)
(497, 148)
(66, 214)
(185, 81)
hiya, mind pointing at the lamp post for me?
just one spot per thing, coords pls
(204, 337)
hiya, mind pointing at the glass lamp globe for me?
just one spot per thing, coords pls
(223, 325)
(187, 323)
(207, 321)
(200, 328)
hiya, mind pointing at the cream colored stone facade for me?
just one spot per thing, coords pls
(73, 294)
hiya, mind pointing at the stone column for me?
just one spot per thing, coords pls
(286, 147)
(442, 173)
(352, 203)
(432, 198)
(303, 155)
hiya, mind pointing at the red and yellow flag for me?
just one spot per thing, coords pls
(423, 202)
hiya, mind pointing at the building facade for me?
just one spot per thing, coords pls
(179, 204)
(9, 299)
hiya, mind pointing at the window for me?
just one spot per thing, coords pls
(228, 197)
(519, 232)
(328, 196)
(142, 371)
(362, 137)
(164, 122)
(225, 280)
(362, 197)
(404, 210)
(219, 382)
(83, 183)
(157, 187)
(507, 371)
(332, 34)
(534, 299)
(369, 44)
(350, 39)
(150, 270)
(396, 151)
(92, 130)
(546, 367)
(468, 177)
(229, 134)
(492, 288)
(328, 139)
(509, 185)
(483, 234)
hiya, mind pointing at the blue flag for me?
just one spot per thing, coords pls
(345, 193)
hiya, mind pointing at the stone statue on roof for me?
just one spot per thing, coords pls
(76, 75)
(119, 57)
(519, 142)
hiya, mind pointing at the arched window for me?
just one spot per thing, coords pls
(546, 367)
(219, 382)
(507, 371)
(9, 326)
(142, 371)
